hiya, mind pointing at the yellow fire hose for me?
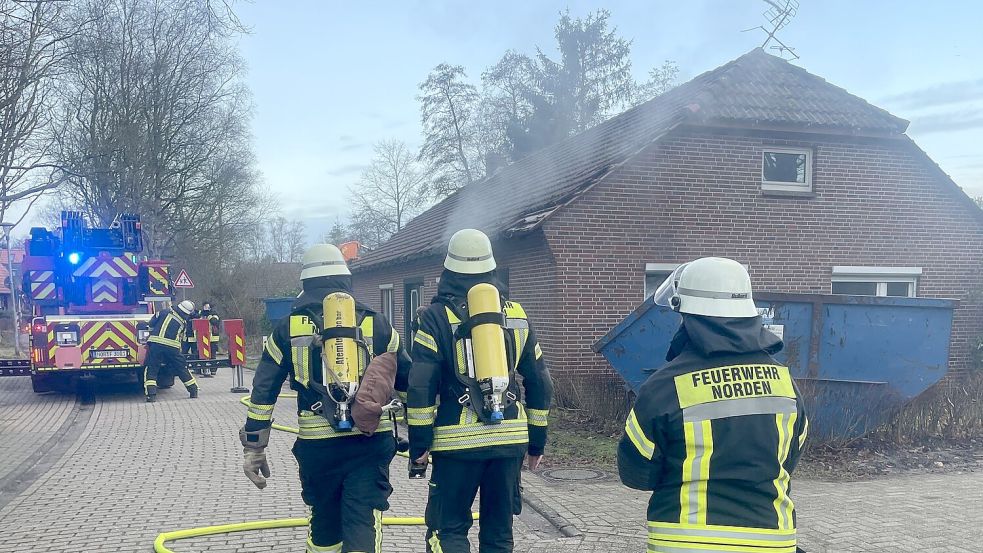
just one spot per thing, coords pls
(164, 537)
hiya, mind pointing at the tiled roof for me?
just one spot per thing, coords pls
(755, 89)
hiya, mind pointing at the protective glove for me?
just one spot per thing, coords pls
(254, 464)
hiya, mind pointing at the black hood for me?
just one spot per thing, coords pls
(708, 336)
(455, 286)
(315, 289)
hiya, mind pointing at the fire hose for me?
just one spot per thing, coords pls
(160, 543)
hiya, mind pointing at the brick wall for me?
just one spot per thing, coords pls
(697, 193)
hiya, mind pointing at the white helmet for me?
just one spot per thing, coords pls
(710, 286)
(470, 252)
(186, 308)
(323, 260)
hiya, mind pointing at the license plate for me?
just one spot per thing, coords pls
(111, 354)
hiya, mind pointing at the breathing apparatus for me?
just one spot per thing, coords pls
(485, 350)
(342, 349)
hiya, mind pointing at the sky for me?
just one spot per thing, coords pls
(329, 79)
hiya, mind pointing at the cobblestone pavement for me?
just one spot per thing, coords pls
(126, 471)
(33, 427)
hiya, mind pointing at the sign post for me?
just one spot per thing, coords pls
(236, 331)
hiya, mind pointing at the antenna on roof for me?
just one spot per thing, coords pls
(778, 15)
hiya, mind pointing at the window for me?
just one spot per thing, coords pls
(386, 303)
(786, 170)
(656, 274)
(898, 282)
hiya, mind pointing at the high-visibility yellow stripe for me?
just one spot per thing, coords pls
(421, 416)
(311, 548)
(425, 340)
(538, 417)
(701, 489)
(696, 471)
(271, 348)
(434, 542)
(636, 434)
(539, 351)
(783, 503)
(393, 346)
(670, 546)
(805, 432)
(377, 526)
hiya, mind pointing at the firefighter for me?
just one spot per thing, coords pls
(716, 432)
(189, 347)
(164, 350)
(209, 315)
(479, 430)
(344, 473)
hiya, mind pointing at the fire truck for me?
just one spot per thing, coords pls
(92, 296)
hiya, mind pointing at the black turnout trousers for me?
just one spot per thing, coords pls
(453, 486)
(346, 486)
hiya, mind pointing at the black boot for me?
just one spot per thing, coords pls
(193, 391)
(152, 398)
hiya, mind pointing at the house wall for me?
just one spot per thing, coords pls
(697, 193)
(531, 279)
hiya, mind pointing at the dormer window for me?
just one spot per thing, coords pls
(786, 170)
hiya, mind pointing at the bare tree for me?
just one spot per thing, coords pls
(662, 79)
(448, 107)
(156, 122)
(33, 39)
(392, 191)
(296, 241)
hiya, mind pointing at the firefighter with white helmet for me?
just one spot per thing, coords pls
(335, 351)
(470, 343)
(167, 332)
(716, 432)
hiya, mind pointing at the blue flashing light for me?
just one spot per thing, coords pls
(74, 258)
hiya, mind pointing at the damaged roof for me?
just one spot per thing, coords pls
(753, 90)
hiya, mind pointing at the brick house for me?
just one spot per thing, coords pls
(814, 189)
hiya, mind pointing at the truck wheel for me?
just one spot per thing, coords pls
(41, 383)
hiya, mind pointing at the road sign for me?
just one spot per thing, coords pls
(183, 280)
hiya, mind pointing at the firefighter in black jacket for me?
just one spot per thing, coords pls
(167, 332)
(716, 432)
(344, 473)
(479, 430)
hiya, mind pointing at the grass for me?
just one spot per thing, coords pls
(575, 441)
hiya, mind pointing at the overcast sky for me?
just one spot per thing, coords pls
(330, 79)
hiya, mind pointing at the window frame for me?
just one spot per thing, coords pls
(881, 276)
(391, 304)
(656, 269)
(783, 186)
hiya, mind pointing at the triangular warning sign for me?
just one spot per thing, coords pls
(183, 280)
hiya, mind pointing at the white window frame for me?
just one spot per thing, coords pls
(781, 186)
(879, 275)
(656, 268)
(392, 301)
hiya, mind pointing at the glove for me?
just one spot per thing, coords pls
(254, 464)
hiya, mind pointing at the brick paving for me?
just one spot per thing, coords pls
(132, 470)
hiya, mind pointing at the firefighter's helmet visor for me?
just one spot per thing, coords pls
(666, 295)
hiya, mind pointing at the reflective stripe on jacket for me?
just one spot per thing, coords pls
(169, 332)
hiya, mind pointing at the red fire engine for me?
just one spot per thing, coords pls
(92, 297)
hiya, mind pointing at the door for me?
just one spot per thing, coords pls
(412, 299)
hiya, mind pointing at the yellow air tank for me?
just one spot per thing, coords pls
(340, 355)
(491, 368)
